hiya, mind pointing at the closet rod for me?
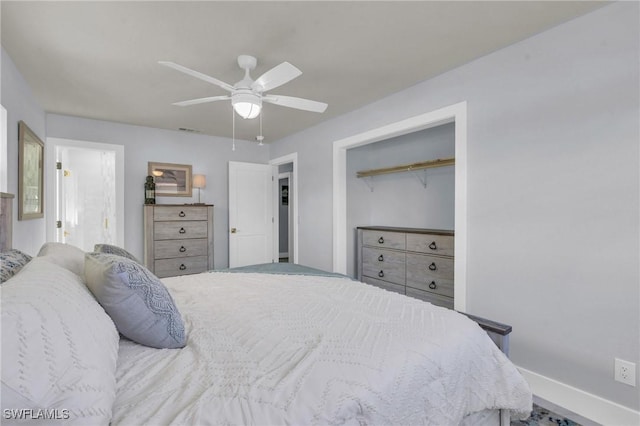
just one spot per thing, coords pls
(408, 167)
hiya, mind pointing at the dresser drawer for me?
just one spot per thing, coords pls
(166, 249)
(383, 264)
(180, 266)
(180, 213)
(441, 286)
(433, 244)
(179, 230)
(383, 284)
(436, 299)
(384, 239)
(421, 265)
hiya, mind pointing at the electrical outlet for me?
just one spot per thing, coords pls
(625, 372)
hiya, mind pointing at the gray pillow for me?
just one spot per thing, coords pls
(111, 249)
(11, 261)
(136, 300)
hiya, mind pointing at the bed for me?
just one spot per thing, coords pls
(261, 346)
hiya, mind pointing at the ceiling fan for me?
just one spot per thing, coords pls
(247, 94)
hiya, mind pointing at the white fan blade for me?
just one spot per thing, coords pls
(298, 103)
(275, 77)
(197, 74)
(201, 100)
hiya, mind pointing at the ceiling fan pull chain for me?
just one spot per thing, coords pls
(233, 124)
(260, 137)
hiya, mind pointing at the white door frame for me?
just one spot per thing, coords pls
(456, 113)
(293, 207)
(50, 156)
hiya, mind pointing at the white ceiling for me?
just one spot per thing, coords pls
(100, 59)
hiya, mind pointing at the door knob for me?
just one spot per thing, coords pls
(234, 230)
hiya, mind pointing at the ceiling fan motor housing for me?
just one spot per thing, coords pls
(247, 62)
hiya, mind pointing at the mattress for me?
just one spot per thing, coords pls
(294, 349)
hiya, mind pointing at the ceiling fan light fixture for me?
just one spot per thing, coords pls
(247, 105)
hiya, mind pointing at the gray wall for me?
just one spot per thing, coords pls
(401, 199)
(553, 188)
(17, 98)
(207, 155)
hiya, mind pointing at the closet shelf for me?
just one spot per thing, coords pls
(408, 167)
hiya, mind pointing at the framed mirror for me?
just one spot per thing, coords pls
(30, 174)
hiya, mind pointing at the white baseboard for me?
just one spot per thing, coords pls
(580, 402)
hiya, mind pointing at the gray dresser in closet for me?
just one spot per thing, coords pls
(413, 261)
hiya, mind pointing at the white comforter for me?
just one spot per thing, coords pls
(305, 350)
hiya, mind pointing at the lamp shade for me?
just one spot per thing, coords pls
(199, 181)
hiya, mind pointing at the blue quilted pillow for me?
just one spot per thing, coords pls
(11, 262)
(111, 249)
(136, 300)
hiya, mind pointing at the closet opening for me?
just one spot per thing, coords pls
(454, 115)
(400, 197)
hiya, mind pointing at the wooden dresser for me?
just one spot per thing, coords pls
(178, 239)
(412, 261)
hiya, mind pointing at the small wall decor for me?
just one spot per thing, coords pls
(149, 191)
(172, 180)
(30, 174)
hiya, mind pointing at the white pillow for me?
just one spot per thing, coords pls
(59, 348)
(68, 256)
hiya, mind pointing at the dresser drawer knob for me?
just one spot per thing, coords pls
(181, 214)
(182, 230)
(182, 267)
(432, 285)
(381, 240)
(433, 246)
(381, 274)
(432, 267)
(182, 249)
(381, 258)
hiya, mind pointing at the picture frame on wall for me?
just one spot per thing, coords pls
(172, 180)
(30, 174)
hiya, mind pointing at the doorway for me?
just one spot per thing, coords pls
(287, 164)
(86, 193)
(285, 228)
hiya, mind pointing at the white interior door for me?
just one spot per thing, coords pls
(250, 214)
